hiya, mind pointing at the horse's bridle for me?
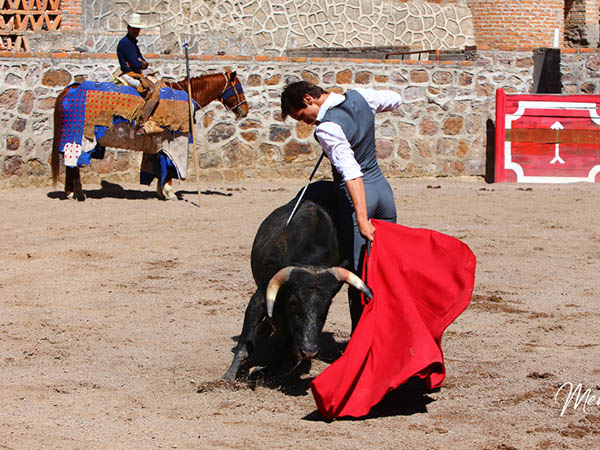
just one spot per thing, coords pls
(232, 88)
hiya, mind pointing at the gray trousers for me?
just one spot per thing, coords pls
(380, 205)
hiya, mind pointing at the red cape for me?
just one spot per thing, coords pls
(421, 281)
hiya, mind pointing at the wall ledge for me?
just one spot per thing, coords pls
(281, 59)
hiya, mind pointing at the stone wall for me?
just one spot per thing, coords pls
(268, 27)
(440, 130)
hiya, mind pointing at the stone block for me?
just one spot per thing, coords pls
(363, 77)
(278, 133)
(254, 80)
(465, 79)
(453, 125)
(446, 146)
(121, 163)
(13, 166)
(47, 103)
(310, 76)
(462, 149)
(249, 136)
(208, 160)
(304, 130)
(588, 88)
(221, 132)
(19, 125)
(26, 103)
(344, 77)
(294, 149)
(273, 81)
(428, 126)
(238, 154)
(105, 165)
(59, 77)
(12, 143)
(419, 76)
(36, 168)
(442, 77)
(8, 99)
(384, 148)
(249, 124)
(403, 149)
(269, 153)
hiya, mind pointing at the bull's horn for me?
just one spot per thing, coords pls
(346, 276)
(273, 287)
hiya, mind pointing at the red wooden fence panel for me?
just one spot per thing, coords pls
(547, 138)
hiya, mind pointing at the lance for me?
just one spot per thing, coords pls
(191, 104)
(304, 190)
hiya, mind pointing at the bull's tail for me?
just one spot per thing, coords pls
(58, 110)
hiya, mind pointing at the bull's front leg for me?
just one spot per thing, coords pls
(255, 313)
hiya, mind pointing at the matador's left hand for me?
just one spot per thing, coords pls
(367, 230)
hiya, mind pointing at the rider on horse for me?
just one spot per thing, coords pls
(133, 64)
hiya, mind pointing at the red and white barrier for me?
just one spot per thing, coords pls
(547, 138)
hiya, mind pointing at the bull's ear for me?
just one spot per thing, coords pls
(346, 264)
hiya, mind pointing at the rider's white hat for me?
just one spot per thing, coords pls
(136, 20)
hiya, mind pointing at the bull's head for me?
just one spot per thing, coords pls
(303, 297)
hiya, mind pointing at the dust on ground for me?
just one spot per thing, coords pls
(118, 315)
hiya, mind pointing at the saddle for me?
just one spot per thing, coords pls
(148, 87)
(171, 112)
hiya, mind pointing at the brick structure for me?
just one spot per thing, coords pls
(18, 18)
(510, 24)
(581, 23)
(71, 15)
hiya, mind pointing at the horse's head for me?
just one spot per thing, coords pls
(233, 97)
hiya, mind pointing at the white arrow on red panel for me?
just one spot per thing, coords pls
(557, 126)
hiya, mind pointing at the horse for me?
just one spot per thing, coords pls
(225, 87)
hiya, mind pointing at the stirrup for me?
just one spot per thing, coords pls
(149, 127)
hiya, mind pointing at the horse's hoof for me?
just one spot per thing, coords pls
(80, 196)
(168, 193)
(70, 195)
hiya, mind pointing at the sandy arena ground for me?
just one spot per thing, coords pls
(118, 315)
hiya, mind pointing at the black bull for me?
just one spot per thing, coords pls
(298, 270)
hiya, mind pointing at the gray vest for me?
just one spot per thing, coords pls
(357, 121)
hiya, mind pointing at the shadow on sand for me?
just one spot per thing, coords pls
(273, 367)
(408, 399)
(113, 190)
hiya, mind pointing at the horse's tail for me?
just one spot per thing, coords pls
(54, 161)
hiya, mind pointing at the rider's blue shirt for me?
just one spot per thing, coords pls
(129, 55)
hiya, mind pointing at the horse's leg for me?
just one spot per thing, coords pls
(73, 186)
(69, 181)
(79, 195)
(166, 190)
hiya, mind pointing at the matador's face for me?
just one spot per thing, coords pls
(309, 113)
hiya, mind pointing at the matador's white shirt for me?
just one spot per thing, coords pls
(332, 138)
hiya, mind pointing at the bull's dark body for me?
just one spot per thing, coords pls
(310, 241)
